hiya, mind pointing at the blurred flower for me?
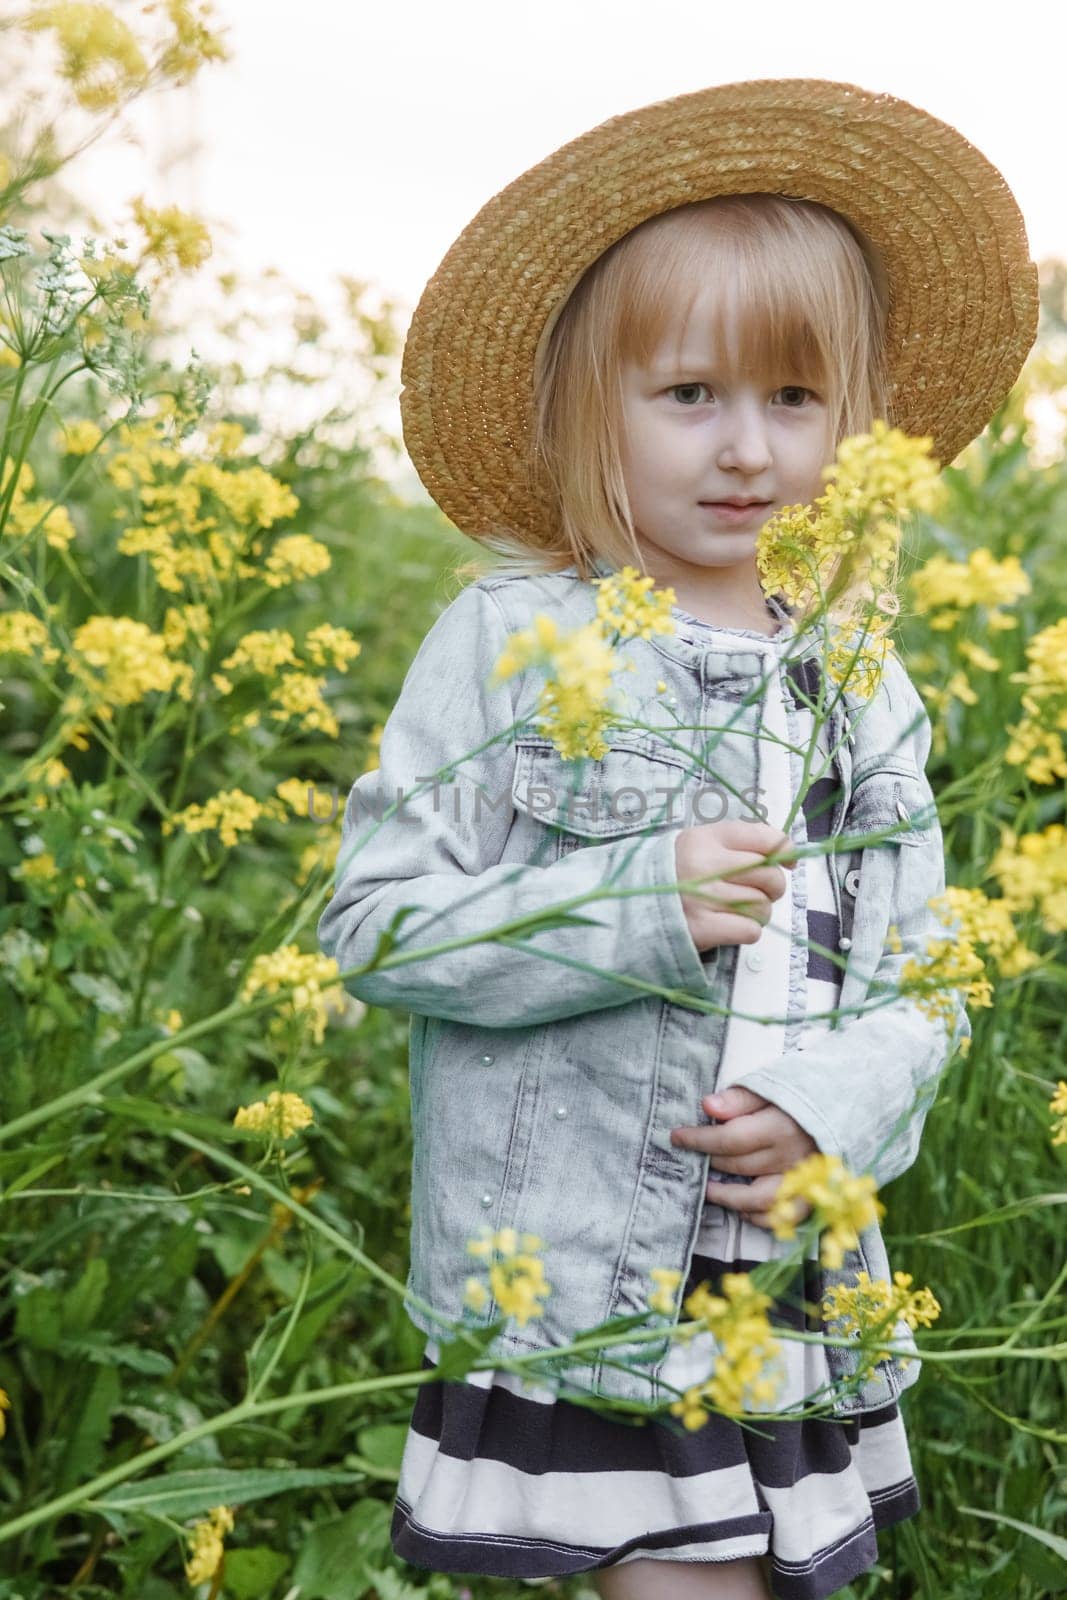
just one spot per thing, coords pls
(206, 1539)
(844, 1204)
(279, 1116)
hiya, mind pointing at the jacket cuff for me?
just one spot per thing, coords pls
(692, 969)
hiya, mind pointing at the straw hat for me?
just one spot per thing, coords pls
(963, 297)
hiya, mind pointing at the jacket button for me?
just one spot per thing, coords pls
(487, 1200)
(487, 1060)
(754, 959)
(844, 943)
(561, 1112)
(852, 881)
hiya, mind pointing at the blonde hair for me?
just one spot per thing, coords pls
(797, 287)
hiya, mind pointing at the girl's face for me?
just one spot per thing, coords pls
(697, 433)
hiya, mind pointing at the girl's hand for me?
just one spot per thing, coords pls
(738, 901)
(755, 1138)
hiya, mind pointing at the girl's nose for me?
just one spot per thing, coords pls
(745, 444)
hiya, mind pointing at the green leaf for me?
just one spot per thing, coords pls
(252, 1573)
(99, 1347)
(83, 1302)
(1051, 1540)
(383, 1444)
(92, 1425)
(105, 994)
(332, 1564)
(194, 1492)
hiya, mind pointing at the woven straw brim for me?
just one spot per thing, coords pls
(963, 299)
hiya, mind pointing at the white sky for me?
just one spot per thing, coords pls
(361, 139)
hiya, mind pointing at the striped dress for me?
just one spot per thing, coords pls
(501, 1477)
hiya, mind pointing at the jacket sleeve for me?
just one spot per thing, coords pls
(439, 853)
(863, 1090)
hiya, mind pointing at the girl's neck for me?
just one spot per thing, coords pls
(724, 613)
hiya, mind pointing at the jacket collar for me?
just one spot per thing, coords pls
(729, 652)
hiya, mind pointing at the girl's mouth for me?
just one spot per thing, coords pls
(731, 515)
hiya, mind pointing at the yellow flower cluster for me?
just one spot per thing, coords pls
(1032, 873)
(5, 1405)
(231, 812)
(206, 1537)
(77, 437)
(983, 932)
(858, 662)
(843, 1204)
(295, 695)
(201, 520)
(38, 868)
(313, 975)
(1037, 741)
(628, 605)
(23, 634)
(663, 1298)
(747, 1371)
(1058, 1106)
(101, 58)
(27, 515)
(846, 542)
(876, 1306)
(118, 660)
(278, 1117)
(174, 238)
(574, 706)
(943, 590)
(516, 1276)
(99, 55)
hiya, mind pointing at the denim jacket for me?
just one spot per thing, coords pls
(548, 1067)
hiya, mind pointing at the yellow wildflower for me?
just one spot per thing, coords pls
(313, 976)
(122, 660)
(296, 556)
(1037, 741)
(23, 634)
(5, 1405)
(1058, 1106)
(231, 812)
(77, 438)
(265, 651)
(173, 237)
(206, 1538)
(516, 1276)
(843, 1203)
(868, 1306)
(748, 1370)
(327, 646)
(626, 606)
(279, 1116)
(41, 867)
(99, 55)
(943, 590)
(663, 1298)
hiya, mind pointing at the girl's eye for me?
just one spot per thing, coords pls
(681, 386)
(795, 388)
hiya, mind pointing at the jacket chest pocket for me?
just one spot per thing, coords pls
(893, 799)
(634, 788)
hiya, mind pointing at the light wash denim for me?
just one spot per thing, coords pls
(548, 1067)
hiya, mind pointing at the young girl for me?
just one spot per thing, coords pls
(634, 355)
